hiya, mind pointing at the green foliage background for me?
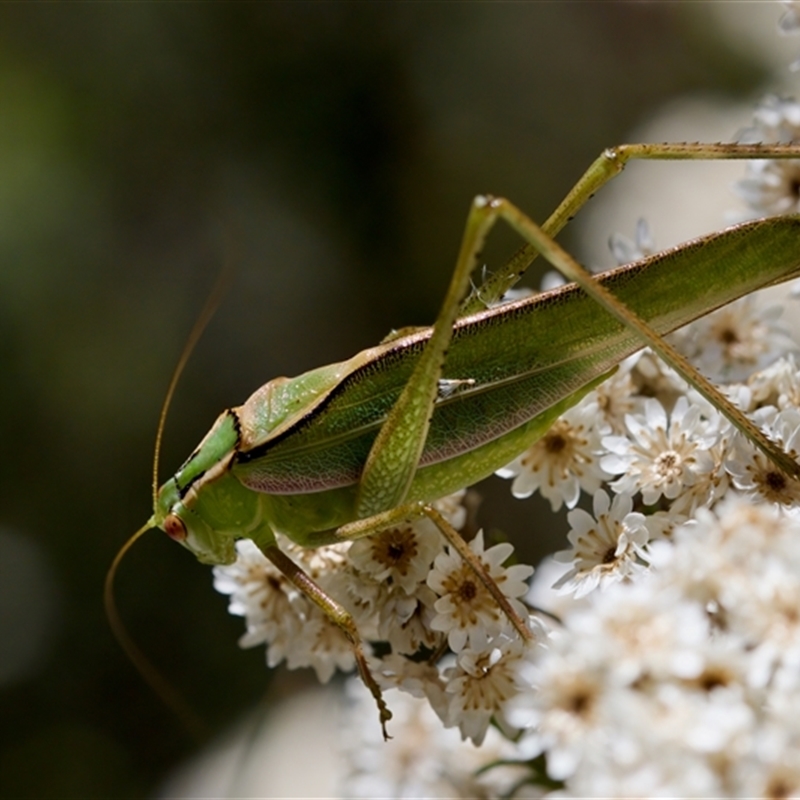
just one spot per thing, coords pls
(329, 151)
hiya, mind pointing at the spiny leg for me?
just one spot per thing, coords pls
(606, 166)
(336, 614)
(493, 208)
(387, 519)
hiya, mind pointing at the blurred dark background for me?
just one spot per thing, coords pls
(328, 151)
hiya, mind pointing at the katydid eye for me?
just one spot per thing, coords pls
(174, 527)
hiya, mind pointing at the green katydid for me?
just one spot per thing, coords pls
(344, 450)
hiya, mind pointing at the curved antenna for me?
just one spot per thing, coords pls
(199, 326)
(152, 677)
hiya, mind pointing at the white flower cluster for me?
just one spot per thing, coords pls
(424, 759)
(674, 669)
(406, 590)
(685, 682)
(646, 435)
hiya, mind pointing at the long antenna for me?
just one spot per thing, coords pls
(152, 676)
(210, 307)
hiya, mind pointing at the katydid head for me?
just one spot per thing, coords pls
(201, 507)
(190, 529)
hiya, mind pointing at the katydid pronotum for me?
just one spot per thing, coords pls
(346, 450)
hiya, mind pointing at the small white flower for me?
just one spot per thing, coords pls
(733, 342)
(542, 595)
(753, 473)
(777, 385)
(662, 456)
(561, 709)
(708, 487)
(616, 397)
(465, 610)
(771, 187)
(322, 646)
(420, 679)
(401, 555)
(563, 461)
(394, 671)
(405, 621)
(605, 548)
(775, 119)
(653, 378)
(626, 250)
(364, 598)
(480, 685)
